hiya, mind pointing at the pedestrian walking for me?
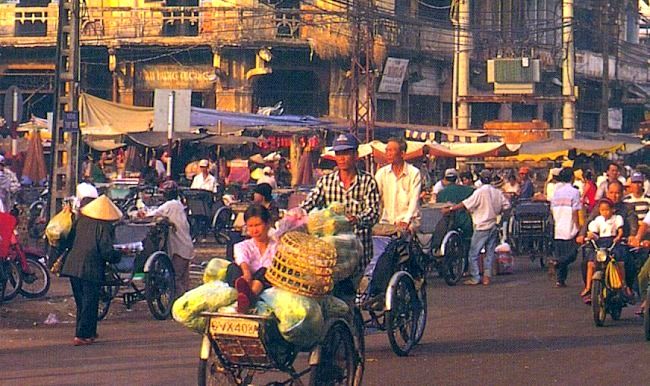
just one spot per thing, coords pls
(565, 206)
(91, 243)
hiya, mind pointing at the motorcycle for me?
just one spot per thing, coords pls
(607, 295)
(37, 215)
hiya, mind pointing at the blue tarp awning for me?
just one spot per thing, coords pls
(202, 117)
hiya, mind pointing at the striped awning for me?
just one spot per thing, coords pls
(440, 136)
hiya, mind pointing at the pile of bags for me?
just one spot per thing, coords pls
(301, 318)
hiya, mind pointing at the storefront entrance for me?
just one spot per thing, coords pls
(297, 90)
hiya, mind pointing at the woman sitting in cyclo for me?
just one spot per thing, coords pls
(252, 258)
(606, 229)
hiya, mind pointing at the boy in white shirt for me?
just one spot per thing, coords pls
(606, 229)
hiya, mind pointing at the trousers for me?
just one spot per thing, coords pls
(86, 297)
(482, 238)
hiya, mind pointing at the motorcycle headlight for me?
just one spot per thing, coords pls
(601, 255)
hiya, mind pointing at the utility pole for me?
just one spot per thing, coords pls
(460, 93)
(65, 143)
(604, 101)
(568, 72)
(362, 72)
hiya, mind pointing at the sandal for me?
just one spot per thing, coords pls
(586, 299)
(585, 292)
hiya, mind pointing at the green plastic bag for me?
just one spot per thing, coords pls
(208, 297)
(300, 318)
(215, 270)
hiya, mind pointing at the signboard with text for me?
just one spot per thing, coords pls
(151, 77)
(71, 121)
(393, 75)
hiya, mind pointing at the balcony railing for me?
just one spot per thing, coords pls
(37, 26)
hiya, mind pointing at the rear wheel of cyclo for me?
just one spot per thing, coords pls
(402, 320)
(422, 317)
(454, 263)
(14, 280)
(160, 286)
(360, 343)
(106, 293)
(646, 317)
(40, 282)
(211, 373)
(598, 302)
(337, 364)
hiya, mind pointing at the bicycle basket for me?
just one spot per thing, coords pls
(303, 265)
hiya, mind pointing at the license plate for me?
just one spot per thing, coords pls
(234, 327)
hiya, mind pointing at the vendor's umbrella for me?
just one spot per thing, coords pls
(34, 161)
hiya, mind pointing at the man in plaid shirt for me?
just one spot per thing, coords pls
(354, 188)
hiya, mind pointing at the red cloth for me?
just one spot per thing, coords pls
(589, 195)
(7, 225)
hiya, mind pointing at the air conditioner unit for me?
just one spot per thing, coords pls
(517, 70)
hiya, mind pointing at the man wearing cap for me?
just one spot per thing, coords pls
(399, 185)
(354, 188)
(204, 180)
(263, 195)
(565, 205)
(637, 198)
(527, 189)
(485, 204)
(455, 193)
(92, 238)
(9, 186)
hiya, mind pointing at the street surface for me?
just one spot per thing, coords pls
(519, 330)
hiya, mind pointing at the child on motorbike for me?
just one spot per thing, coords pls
(252, 258)
(606, 230)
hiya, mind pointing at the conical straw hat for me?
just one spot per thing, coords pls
(102, 208)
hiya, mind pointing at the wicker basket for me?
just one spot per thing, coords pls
(303, 265)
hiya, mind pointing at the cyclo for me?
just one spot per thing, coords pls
(235, 347)
(530, 229)
(144, 259)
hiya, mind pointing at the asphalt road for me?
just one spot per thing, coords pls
(519, 330)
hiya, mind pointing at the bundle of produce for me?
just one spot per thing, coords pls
(294, 219)
(208, 297)
(59, 226)
(215, 270)
(348, 253)
(303, 265)
(329, 221)
(300, 318)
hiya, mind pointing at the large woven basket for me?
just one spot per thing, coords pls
(303, 265)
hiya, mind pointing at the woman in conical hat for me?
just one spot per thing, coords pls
(91, 247)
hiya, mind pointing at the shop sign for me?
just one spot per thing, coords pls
(174, 77)
(615, 118)
(393, 75)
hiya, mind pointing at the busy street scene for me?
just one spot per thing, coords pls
(324, 192)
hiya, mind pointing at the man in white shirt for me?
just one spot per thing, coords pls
(613, 173)
(565, 205)
(204, 180)
(485, 204)
(180, 245)
(399, 185)
(637, 198)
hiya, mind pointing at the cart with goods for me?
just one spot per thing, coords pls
(297, 315)
(144, 272)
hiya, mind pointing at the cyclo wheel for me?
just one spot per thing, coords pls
(211, 373)
(646, 317)
(14, 280)
(454, 263)
(598, 302)
(422, 317)
(106, 293)
(41, 283)
(160, 286)
(360, 340)
(3, 281)
(337, 365)
(402, 319)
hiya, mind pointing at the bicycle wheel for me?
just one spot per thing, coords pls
(14, 280)
(337, 362)
(598, 303)
(453, 264)
(212, 373)
(160, 286)
(422, 316)
(3, 281)
(36, 285)
(402, 319)
(106, 293)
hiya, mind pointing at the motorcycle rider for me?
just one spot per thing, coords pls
(644, 273)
